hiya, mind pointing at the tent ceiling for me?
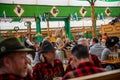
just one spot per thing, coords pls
(63, 2)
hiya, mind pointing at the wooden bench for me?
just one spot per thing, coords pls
(109, 75)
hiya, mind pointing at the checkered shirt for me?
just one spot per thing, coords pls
(45, 71)
(85, 68)
(95, 60)
(14, 77)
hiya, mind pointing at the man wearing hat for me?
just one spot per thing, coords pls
(13, 60)
(111, 42)
(49, 67)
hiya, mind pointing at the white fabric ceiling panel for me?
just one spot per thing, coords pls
(61, 2)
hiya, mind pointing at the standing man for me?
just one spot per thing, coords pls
(13, 60)
(27, 41)
(49, 67)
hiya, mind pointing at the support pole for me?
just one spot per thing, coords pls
(48, 28)
(93, 21)
(38, 29)
(67, 28)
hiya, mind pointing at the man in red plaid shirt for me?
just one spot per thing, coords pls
(81, 62)
(13, 60)
(93, 58)
(49, 67)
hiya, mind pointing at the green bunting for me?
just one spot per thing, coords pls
(16, 19)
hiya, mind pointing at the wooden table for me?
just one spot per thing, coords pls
(111, 62)
(116, 64)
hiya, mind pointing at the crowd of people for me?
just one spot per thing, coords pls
(46, 60)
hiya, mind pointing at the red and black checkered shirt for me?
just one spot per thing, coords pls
(95, 60)
(45, 71)
(85, 68)
(14, 77)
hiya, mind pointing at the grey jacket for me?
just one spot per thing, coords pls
(97, 49)
(105, 54)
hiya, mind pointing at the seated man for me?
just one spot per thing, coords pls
(81, 62)
(13, 60)
(97, 48)
(111, 47)
(48, 68)
(93, 58)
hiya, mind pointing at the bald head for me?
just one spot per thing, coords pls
(83, 41)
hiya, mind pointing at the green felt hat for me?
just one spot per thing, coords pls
(10, 45)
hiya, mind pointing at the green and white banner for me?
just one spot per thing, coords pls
(64, 2)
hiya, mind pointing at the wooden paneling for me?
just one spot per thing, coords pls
(111, 30)
(22, 32)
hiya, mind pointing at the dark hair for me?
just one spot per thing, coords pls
(80, 51)
(105, 34)
(95, 40)
(28, 34)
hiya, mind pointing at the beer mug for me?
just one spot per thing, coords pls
(65, 62)
(115, 57)
(119, 55)
(110, 56)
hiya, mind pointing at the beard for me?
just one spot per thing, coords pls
(22, 72)
(52, 59)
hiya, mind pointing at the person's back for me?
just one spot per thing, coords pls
(82, 70)
(105, 54)
(97, 48)
(94, 59)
